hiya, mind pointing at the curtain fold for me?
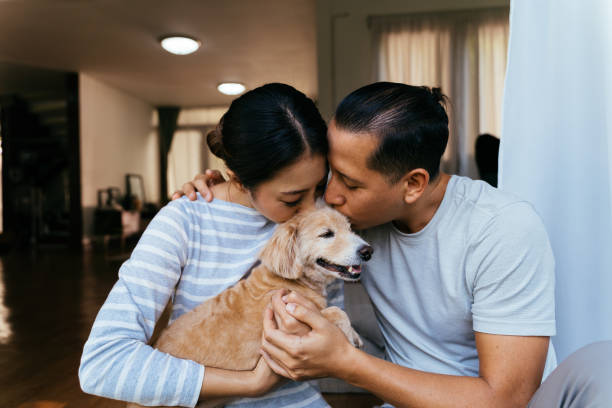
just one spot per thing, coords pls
(168, 116)
(464, 53)
(556, 151)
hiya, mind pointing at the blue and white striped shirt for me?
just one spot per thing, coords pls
(191, 251)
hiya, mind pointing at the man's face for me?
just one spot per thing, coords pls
(363, 195)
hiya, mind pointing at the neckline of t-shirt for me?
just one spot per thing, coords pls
(450, 187)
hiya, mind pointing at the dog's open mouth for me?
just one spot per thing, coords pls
(352, 272)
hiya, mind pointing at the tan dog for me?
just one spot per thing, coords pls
(305, 254)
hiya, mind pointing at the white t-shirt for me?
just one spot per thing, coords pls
(483, 263)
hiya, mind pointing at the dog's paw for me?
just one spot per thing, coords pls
(339, 318)
(354, 338)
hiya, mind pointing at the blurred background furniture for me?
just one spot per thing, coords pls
(122, 218)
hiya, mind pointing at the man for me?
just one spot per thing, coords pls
(462, 278)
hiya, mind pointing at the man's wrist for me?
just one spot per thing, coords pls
(346, 366)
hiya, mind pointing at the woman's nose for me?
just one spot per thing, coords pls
(308, 202)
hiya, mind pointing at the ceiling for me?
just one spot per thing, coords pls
(115, 41)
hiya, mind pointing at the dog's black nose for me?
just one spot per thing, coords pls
(365, 252)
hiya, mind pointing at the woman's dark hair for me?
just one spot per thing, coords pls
(410, 122)
(265, 130)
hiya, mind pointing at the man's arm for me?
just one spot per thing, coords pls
(511, 367)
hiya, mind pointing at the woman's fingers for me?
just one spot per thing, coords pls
(200, 184)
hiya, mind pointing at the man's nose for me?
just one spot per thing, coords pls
(365, 252)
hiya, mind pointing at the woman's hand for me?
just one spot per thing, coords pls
(322, 352)
(200, 183)
(263, 378)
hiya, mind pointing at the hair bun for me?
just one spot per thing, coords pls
(214, 139)
(437, 94)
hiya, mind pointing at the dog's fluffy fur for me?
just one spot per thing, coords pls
(305, 254)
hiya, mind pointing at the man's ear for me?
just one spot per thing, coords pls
(414, 183)
(280, 253)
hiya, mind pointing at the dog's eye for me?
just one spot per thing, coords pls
(327, 234)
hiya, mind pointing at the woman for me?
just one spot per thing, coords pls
(273, 141)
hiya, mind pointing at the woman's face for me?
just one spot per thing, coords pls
(295, 188)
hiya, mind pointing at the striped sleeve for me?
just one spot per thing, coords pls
(117, 362)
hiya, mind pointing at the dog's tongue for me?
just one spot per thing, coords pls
(354, 269)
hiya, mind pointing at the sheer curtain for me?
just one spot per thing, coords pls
(464, 53)
(556, 151)
(187, 157)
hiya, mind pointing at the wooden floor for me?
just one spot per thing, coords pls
(48, 301)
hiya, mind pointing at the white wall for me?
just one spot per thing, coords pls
(345, 53)
(117, 137)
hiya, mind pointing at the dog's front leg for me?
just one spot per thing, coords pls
(341, 320)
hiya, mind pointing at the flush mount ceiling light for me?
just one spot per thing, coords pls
(231, 88)
(179, 44)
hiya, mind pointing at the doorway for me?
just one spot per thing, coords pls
(41, 197)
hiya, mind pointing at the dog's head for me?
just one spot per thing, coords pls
(318, 245)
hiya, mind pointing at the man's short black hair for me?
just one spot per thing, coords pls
(410, 122)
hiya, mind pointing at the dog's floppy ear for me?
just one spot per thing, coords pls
(280, 253)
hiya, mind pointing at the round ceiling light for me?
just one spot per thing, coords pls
(231, 88)
(180, 44)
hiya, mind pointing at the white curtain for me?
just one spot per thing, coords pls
(187, 157)
(464, 53)
(556, 150)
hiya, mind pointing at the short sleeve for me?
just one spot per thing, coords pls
(510, 266)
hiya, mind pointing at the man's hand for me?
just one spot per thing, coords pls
(320, 352)
(200, 183)
(284, 321)
(510, 366)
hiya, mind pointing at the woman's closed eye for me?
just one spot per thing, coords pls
(292, 203)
